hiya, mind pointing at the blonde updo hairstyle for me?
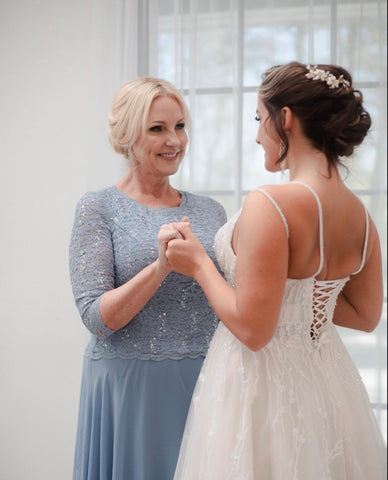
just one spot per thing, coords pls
(333, 119)
(130, 109)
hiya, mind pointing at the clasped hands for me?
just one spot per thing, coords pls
(179, 248)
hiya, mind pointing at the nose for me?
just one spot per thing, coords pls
(172, 138)
(257, 140)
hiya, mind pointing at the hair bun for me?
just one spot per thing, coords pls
(322, 97)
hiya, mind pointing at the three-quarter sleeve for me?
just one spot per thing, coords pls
(91, 262)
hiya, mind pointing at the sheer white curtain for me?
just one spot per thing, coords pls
(215, 52)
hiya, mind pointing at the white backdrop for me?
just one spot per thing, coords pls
(46, 87)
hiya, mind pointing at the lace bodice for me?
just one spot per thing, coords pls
(309, 299)
(114, 238)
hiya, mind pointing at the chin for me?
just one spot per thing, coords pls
(271, 167)
(171, 170)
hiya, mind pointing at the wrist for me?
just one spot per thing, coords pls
(202, 268)
(162, 269)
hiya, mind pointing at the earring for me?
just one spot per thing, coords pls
(282, 148)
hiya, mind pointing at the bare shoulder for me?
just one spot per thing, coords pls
(264, 207)
(283, 190)
(285, 196)
(261, 198)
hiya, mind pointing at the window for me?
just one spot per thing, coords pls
(215, 52)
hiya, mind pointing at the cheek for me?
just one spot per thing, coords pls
(273, 147)
(136, 150)
(183, 138)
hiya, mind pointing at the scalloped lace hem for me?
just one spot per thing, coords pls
(144, 356)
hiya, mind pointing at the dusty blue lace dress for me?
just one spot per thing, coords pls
(137, 382)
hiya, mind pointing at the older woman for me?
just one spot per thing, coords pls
(150, 327)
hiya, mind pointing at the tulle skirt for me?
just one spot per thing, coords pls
(131, 417)
(282, 413)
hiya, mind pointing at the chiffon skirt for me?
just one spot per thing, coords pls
(131, 417)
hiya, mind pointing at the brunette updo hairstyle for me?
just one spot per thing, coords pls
(334, 119)
(130, 109)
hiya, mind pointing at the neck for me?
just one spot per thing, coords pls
(305, 162)
(149, 190)
(310, 166)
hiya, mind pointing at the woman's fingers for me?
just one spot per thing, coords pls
(184, 228)
(168, 232)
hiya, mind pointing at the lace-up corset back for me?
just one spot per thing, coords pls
(324, 298)
(308, 304)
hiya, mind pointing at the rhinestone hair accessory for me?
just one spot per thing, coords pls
(331, 80)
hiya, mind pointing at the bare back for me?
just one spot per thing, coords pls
(343, 228)
(284, 236)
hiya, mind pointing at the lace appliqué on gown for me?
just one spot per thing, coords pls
(295, 410)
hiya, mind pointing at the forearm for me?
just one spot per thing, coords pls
(223, 299)
(119, 306)
(346, 315)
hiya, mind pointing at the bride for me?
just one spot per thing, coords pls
(278, 397)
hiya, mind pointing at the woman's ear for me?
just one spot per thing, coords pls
(287, 118)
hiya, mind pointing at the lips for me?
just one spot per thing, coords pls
(169, 155)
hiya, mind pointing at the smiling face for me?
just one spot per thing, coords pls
(160, 151)
(267, 138)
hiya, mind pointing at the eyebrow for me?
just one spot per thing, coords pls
(163, 122)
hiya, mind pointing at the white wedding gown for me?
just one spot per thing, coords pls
(295, 410)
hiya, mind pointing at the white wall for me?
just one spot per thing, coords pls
(46, 163)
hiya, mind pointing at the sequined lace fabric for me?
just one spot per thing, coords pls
(113, 238)
(295, 410)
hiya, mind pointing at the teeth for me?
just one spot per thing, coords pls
(169, 154)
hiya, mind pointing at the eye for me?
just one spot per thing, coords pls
(257, 118)
(180, 126)
(156, 128)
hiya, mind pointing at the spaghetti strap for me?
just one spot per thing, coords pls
(277, 208)
(321, 253)
(365, 242)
